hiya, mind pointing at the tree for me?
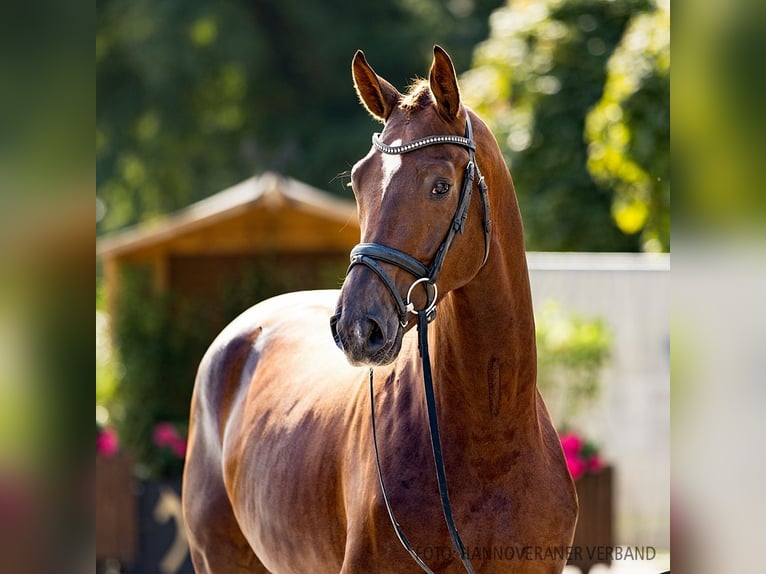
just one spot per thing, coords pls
(535, 79)
(195, 95)
(629, 129)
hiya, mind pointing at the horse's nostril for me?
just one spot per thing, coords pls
(375, 339)
(363, 338)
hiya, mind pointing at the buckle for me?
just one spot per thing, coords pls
(430, 307)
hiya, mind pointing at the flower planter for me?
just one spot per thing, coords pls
(594, 536)
(163, 548)
(139, 525)
(116, 510)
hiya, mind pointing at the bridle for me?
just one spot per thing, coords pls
(370, 254)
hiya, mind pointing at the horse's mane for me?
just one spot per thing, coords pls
(417, 97)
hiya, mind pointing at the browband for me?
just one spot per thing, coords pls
(422, 142)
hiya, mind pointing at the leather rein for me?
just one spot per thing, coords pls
(369, 255)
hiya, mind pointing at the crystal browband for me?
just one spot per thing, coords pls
(422, 142)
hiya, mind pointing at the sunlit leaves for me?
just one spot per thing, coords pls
(196, 95)
(543, 68)
(572, 350)
(203, 31)
(629, 129)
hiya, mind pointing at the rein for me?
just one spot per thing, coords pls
(436, 447)
(369, 254)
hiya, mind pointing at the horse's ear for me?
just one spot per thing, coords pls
(443, 82)
(377, 95)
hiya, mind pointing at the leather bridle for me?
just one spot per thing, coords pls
(369, 255)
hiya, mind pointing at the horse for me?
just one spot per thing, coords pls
(282, 473)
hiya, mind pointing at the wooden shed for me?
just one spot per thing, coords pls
(269, 217)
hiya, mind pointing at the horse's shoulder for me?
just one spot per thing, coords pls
(236, 349)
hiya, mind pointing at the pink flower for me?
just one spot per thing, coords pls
(576, 467)
(165, 434)
(571, 443)
(581, 457)
(178, 446)
(107, 442)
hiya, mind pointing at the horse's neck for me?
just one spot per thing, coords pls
(483, 343)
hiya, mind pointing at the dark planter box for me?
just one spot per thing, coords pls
(594, 536)
(139, 525)
(163, 548)
(116, 510)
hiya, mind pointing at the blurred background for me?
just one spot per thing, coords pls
(194, 97)
(47, 102)
(224, 136)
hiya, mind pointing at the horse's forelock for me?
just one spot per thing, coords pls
(417, 97)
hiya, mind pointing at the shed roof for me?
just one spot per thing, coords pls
(268, 211)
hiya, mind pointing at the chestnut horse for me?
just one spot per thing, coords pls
(281, 472)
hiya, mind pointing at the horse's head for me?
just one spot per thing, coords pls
(413, 196)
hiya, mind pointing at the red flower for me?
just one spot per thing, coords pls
(571, 443)
(165, 434)
(581, 456)
(576, 466)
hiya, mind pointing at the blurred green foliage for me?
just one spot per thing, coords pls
(535, 80)
(719, 120)
(571, 354)
(47, 98)
(194, 96)
(151, 384)
(159, 340)
(628, 132)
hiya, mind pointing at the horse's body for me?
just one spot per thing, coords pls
(281, 474)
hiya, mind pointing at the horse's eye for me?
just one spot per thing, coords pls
(440, 188)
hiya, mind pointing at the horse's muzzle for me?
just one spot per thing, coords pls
(366, 338)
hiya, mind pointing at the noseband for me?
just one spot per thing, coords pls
(369, 254)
